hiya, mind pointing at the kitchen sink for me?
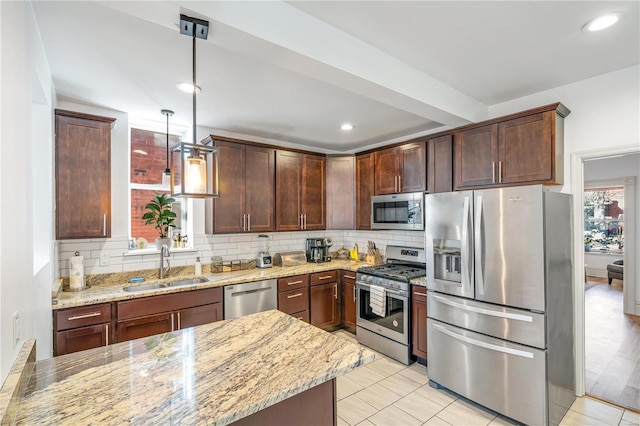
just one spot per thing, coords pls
(176, 283)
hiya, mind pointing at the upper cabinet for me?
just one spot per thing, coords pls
(341, 192)
(401, 169)
(300, 191)
(523, 148)
(365, 186)
(440, 164)
(82, 175)
(247, 189)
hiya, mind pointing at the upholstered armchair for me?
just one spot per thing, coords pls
(615, 270)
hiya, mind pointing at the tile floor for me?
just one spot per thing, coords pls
(386, 392)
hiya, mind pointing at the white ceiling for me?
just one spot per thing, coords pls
(295, 71)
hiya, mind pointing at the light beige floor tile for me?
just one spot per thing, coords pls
(386, 366)
(418, 406)
(393, 416)
(366, 423)
(502, 421)
(417, 373)
(631, 417)
(345, 387)
(598, 410)
(378, 396)
(353, 410)
(461, 412)
(440, 396)
(573, 418)
(400, 384)
(436, 421)
(342, 422)
(365, 376)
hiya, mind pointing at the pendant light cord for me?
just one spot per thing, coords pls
(194, 86)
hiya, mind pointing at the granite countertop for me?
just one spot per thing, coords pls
(109, 289)
(422, 281)
(214, 374)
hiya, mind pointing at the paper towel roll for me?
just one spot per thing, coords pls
(76, 272)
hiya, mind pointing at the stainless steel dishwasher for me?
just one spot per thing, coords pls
(249, 298)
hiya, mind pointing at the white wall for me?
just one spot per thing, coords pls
(26, 105)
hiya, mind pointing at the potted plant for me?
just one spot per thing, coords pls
(159, 214)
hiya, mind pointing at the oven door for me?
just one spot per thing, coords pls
(394, 325)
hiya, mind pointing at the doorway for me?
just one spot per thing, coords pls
(611, 323)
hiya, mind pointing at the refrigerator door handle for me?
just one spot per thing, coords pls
(467, 266)
(478, 244)
(506, 315)
(510, 351)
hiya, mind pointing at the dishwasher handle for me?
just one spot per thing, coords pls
(254, 290)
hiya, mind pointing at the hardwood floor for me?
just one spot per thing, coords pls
(612, 342)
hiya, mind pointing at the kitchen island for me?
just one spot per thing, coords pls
(265, 368)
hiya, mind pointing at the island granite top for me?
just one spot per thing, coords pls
(212, 374)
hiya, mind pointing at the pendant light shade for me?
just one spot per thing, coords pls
(194, 167)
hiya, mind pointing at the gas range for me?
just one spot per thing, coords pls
(403, 265)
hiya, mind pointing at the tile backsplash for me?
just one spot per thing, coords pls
(229, 246)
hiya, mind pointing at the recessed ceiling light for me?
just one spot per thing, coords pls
(139, 151)
(602, 22)
(346, 127)
(188, 87)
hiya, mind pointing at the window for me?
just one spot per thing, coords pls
(604, 219)
(148, 150)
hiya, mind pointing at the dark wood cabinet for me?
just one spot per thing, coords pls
(341, 192)
(440, 164)
(401, 169)
(82, 175)
(247, 187)
(300, 191)
(523, 148)
(293, 296)
(419, 321)
(365, 188)
(85, 327)
(161, 314)
(324, 304)
(349, 300)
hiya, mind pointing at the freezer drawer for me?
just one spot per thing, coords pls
(515, 325)
(503, 376)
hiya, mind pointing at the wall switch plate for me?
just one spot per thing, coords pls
(16, 328)
(104, 259)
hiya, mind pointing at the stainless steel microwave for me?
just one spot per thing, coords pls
(397, 211)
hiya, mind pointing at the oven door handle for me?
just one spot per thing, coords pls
(387, 290)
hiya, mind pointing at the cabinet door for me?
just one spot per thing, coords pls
(349, 299)
(199, 315)
(365, 186)
(313, 192)
(288, 191)
(229, 208)
(476, 154)
(419, 321)
(259, 194)
(294, 300)
(440, 164)
(387, 171)
(324, 306)
(413, 168)
(83, 178)
(526, 150)
(341, 201)
(146, 326)
(80, 339)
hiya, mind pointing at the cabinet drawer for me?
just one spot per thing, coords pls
(324, 277)
(302, 316)
(83, 316)
(168, 302)
(294, 300)
(290, 283)
(83, 338)
(348, 277)
(419, 293)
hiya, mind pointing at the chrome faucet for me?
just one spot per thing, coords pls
(164, 252)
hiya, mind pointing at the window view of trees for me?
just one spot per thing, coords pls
(603, 219)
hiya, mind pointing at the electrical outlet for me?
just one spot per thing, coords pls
(16, 328)
(104, 259)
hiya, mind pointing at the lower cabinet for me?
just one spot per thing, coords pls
(81, 328)
(325, 300)
(419, 321)
(349, 300)
(293, 296)
(168, 312)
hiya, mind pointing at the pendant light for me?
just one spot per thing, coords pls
(166, 176)
(194, 167)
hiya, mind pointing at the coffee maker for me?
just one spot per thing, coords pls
(318, 250)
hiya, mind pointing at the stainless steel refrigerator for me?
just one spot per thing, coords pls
(500, 306)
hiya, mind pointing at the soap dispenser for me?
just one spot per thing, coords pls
(198, 266)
